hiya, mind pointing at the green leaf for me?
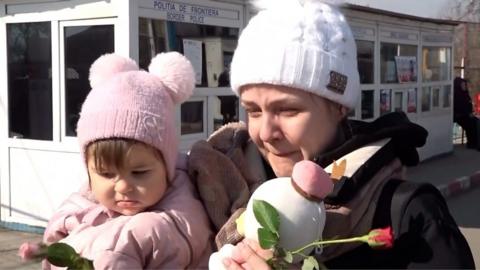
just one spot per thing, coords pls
(266, 238)
(61, 254)
(279, 252)
(271, 262)
(288, 257)
(310, 263)
(81, 263)
(85, 264)
(266, 215)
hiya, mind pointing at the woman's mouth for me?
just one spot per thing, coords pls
(284, 154)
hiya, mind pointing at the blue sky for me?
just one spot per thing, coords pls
(422, 8)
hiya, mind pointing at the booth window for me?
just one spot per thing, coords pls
(367, 104)
(365, 53)
(29, 56)
(426, 98)
(385, 101)
(436, 97)
(447, 96)
(398, 63)
(209, 49)
(79, 56)
(436, 64)
(151, 40)
(398, 102)
(192, 117)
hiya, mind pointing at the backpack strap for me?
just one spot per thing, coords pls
(403, 194)
(400, 199)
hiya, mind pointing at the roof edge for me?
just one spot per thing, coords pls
(401, 15)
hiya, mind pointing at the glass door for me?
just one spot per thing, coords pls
(81, 43)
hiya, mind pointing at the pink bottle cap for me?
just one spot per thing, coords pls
(312, 179)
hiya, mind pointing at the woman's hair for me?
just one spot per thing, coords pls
(457, 83)
(331, 104)
(110, 153)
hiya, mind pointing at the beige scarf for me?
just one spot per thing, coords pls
(355, 218)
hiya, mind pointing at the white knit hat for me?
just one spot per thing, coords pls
(305, 44)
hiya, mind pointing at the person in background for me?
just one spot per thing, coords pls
(463, 112)
(140, 209)
(295, 72)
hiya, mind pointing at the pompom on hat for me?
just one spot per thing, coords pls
(304, 44)
(126, 102)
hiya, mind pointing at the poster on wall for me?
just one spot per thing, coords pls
(385, 101)
(406, 68)
(412, 100)
(192, 49)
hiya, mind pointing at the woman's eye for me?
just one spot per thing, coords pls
(253, 113)
(289, 111)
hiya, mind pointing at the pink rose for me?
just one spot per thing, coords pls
(30, 251)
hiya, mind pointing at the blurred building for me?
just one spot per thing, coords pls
(467, 54)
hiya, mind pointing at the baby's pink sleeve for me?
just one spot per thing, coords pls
(148, 241)
(67, 217)
(117, 260)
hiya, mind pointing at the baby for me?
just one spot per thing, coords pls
(139, 210)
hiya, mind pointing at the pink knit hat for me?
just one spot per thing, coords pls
(126, 102)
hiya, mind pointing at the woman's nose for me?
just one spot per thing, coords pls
(269, 129)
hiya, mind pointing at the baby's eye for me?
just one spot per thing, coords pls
(108, 175)
(140, 172)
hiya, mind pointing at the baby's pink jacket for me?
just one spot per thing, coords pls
(173, 234)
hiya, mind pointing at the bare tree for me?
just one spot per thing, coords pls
(463, 10)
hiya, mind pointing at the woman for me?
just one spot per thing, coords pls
(463, 112)
(295, 71)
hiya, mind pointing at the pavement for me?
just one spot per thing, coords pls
(9, 243)
(453, 174)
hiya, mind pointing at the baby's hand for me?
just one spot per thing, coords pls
(248, 255)
(216, 259)
(245, 255)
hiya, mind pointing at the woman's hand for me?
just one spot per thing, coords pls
(248, 255)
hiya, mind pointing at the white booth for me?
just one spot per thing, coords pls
(47, 47)
(405, 64)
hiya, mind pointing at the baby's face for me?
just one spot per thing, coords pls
(140, 184)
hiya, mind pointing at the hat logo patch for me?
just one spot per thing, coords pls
(337, 82)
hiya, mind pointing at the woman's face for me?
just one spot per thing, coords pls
(289, 125)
